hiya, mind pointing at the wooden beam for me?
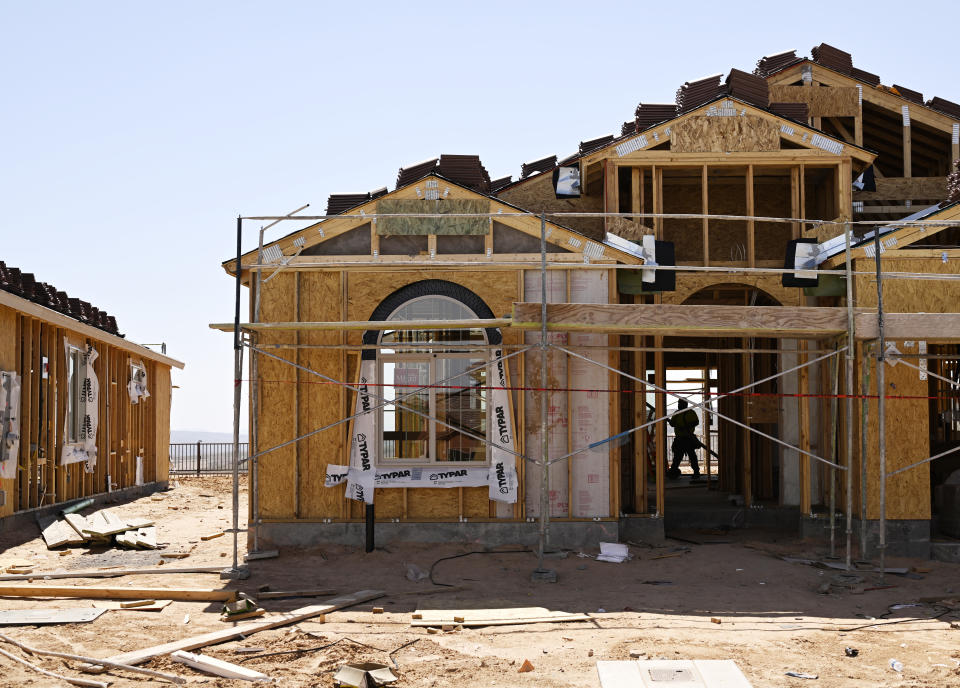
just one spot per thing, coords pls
(751, 234)
(245, 629)
(635, 190)
(125, 593)
(660, 380)
(611, 188)
(737, 321)
(907, 144)
(698, 321)
(803, 388)
(705, 210)
(368, 325)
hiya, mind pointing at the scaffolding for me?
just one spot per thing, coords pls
(843, 343)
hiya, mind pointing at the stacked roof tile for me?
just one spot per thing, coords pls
(594, 144)
(25, 285)
(865, 76)
(649, 114)
(501, 183)
(410, 174)
(629, 128)
(794, 111)
(909, 94)
(945, 106)
(833, 58)
(536, 166)
(339, 203)
(749, 88)
(770, 64)
(466, 170)
(693, 94)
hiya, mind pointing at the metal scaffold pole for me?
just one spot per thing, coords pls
(881, 409)
(542, 573)
(850, 361)
(236, 571)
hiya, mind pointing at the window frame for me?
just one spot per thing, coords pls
(74, 405)
(424, 352)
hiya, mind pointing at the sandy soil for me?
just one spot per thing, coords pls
(661, 603)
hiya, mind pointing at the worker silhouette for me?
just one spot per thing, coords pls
(684, 422)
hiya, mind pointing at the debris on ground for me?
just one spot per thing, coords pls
(102, 527)
(613, 552)
(491, 617)
(364, 675)
(217, 667)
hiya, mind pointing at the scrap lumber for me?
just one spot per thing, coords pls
(266, 554)
(211, 536)
(108, 573)
(74, 681)
(181, 594)
(246, 629)
(37, 617)
(280, 594)
(78, 523)
(57, 533)
(143, 538)
(103, 524)
(155, 606)
(492, 617)
(113, 665)
(217, 667)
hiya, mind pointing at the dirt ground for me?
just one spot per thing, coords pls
(661, 603)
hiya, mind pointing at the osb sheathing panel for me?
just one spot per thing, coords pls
(834, 101)
(739, 134)
(277, 390)
(537, 195)
(160, 394)
(320, 403)
(908, 432)
(683, 195)
(690, 284)
(771, 195)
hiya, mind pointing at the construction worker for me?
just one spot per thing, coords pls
(684, 422)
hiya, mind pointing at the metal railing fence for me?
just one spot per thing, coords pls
(205, 458)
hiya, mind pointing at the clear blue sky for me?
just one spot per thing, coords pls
(133, 133)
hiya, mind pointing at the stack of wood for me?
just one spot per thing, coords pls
(100, 528)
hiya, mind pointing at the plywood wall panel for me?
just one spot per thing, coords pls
(743, 134)
(537, 195)
(320, 402)
(277, 390)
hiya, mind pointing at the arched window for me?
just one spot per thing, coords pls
(454, 375)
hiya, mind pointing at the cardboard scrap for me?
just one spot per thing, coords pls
(364, 674)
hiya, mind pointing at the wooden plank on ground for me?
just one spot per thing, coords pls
(156, 606)
(57, 533)
(31, 617)
(280, 594)
(127, 593)
(217, 667)
(110, 573)
(492, 617)
(246, 629)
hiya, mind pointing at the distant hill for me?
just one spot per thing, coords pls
(180, 436)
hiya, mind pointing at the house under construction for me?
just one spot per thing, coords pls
(455, 357)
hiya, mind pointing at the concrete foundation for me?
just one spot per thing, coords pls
(29, 518)
(905, 538)
(786, 519)
(566, 535)
(945, 551)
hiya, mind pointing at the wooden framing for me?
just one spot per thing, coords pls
(32, 345)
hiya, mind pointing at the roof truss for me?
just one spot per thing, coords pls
(529, 224)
